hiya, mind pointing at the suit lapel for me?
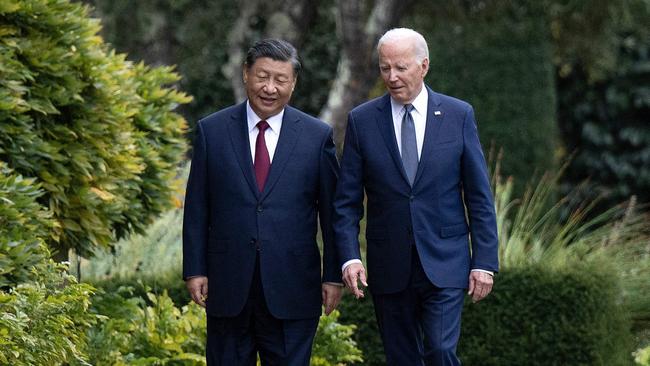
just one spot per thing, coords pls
(434, 121)
(387, 130)
(289, 133)
(238, 130)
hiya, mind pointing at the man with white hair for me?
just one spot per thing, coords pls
(417, 155)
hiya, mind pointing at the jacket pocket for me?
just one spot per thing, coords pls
(453, 230)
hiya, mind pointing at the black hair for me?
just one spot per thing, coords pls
(275, 49)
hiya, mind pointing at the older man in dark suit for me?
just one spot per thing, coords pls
(417, 156)
(262, 172)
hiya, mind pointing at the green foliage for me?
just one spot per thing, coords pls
(44, 322)
(542, 316)
(149, 262)
(605, 123)
(23, 225)
(333, 344)
(498, 57)
(533, 232)
(642, 356)
(97, 132)
(361, 313)
(141, 255)
(138, 332)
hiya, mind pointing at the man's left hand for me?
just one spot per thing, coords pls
(480, 285)
(331, 296)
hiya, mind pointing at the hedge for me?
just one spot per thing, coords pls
(533, 317)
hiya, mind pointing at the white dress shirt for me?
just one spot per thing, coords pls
(271, 135)
(419, 114)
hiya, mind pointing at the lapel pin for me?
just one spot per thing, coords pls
(437, 113)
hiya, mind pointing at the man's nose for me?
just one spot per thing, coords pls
(270, 86)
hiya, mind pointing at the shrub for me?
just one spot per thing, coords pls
(98, 133)
(44, 322)
(23, 225)
(134, 333)
(542, 316)
(333, 344)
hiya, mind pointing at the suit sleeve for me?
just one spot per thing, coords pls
(348, 204)
(478, 199)
(195, 216)
(329, 169)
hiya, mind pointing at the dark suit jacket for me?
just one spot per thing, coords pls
(450, 197)
(227, 222)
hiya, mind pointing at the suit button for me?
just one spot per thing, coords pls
(253, 241)
(411, 198)
(259, 208)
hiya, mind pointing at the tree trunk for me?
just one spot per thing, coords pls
(357, 69)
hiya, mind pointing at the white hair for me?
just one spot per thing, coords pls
(406, 34)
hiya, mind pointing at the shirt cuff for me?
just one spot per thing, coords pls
(351, 261)
(484, 271)
(334, 284)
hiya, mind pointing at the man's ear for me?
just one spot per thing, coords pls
(245, 73)
(295, 82)
(425, 67)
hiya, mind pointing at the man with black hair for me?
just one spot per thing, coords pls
(262, 172)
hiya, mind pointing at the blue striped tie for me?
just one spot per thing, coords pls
(409, 144)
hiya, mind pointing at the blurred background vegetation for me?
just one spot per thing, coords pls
(97, 103)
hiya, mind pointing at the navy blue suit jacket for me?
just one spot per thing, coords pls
(450, 197)
(227, 221)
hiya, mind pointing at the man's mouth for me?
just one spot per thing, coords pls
(268, 100)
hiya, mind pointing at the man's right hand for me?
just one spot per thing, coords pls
(198, 287)
(351, 274)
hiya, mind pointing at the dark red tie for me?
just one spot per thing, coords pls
(262, 161)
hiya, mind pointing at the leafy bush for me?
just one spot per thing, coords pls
(23, 225)
(134, 333)
(44, 322)
(333, 344)
(605, 123)
(542, 316)
(98, 133)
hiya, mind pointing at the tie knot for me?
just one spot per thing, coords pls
(262, 125)
(408, 108)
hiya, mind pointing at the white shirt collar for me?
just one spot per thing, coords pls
(275, 122)
(419, 104)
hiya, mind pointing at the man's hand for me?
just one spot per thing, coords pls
(480, 285)
(331, 296)
(198, 287)
(351, 274)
